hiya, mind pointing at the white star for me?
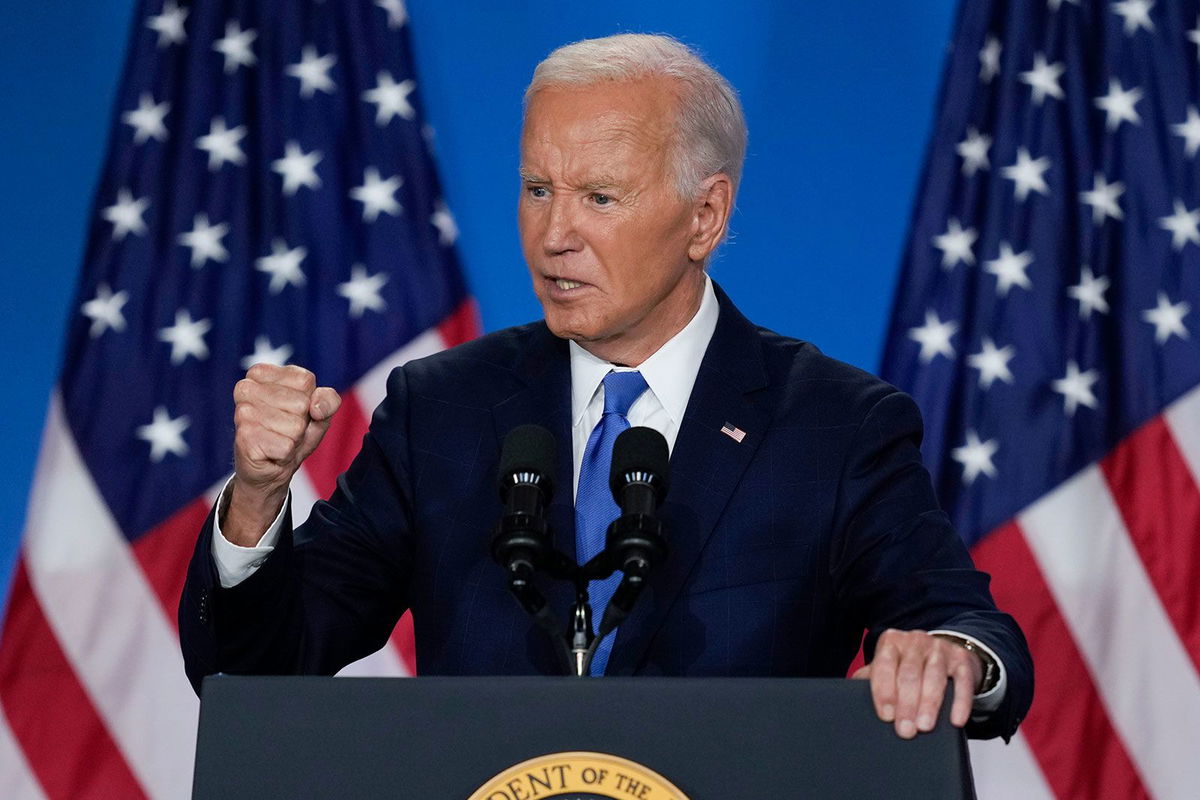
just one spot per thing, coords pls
(1118, 105)
(992, 363)
(205, 241)
(1136, 14)
(955, 244)
(362, 290)
(1183, 225)
(221, 144)
(313, 71)
(934, 337)
(165, 435)
(104, 310)
(1194, 33)
(390, 98)
(1090, 293)
(147, 119)
(126, 214)
(169, 24)
(976, 457)
(1009, 269)
(265, 354)
(235, 47)
(1043, 79)
(443, 220)
(1076, 388)
(1167, 319)
(974, 152)
(1027, 174)
(283, 265)
(186, 337)
(1056, 4)
(298, 168)
(1103, 199)
(396, 13)
(1190, 131)
(989, 59)
(376, 195)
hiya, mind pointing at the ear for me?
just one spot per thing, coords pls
(714, 204)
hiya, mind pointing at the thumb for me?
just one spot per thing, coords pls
(323, 404)
(862, 673)
(321, 407)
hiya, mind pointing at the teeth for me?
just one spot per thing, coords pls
(565, 284)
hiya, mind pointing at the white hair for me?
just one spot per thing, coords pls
(710, 128)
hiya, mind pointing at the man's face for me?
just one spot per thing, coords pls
(605, 234)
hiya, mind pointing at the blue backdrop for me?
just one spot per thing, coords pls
(839, 98)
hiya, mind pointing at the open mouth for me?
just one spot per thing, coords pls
(564, 287)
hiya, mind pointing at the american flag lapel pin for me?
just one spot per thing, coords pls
(733, 432)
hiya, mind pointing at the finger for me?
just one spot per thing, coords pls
(908, 687)
(964, 694)
(324, 404)
(297, 378)
(263, 446)
(883, 679)
(274, 395)
(273, 419)
(933, 689)
(861, 673)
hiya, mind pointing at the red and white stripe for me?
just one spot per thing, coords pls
(93, 697)
(1102, 575)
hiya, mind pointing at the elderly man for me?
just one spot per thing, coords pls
(799, 514)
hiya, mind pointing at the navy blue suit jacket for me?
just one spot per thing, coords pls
(785, 547)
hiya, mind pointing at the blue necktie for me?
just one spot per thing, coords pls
(594, 504)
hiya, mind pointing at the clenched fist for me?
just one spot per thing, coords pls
(280, 415)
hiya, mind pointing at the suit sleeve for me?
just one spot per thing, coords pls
(897, 562)
(332, 590)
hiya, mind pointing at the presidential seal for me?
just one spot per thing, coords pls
(578, 776)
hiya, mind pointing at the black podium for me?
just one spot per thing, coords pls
(445, 738)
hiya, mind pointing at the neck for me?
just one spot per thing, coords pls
(631, 350)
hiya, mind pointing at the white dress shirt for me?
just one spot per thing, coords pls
(670, 374)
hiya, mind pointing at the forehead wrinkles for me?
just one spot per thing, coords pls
(578, 132)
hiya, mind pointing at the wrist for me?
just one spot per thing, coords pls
(246, 512)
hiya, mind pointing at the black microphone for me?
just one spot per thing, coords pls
(638, 477)
(635, 544)
(639, 482)
(521, 543)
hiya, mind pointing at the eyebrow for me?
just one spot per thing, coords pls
(602, 182)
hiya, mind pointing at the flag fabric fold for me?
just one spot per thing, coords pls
(269, 195)
(1046, 323)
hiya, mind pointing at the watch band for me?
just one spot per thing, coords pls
(991, 671)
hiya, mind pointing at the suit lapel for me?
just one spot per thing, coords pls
(706, 466)
(544, 370)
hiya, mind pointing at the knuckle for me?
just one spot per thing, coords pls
(301, 378)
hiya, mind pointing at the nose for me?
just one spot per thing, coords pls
(561, 234)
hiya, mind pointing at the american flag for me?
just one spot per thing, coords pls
(268, 195)
(1046, 322)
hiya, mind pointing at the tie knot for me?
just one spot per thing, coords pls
(621, 389)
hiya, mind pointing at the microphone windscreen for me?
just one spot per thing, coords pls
(640, 449)
(528, 448)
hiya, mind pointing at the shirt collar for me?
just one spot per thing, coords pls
(670, 372)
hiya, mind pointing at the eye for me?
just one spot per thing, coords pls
(601, 199)
(538, 192)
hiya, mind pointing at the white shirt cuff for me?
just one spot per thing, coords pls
(234, 562)
(990, 700)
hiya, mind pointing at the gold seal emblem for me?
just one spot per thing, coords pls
(578, 776)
